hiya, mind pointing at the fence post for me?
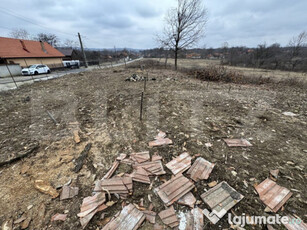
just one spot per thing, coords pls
(11, 76)
(141, 108)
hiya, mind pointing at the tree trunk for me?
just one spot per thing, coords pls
(176, 56)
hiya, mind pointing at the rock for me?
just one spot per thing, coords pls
(46, 188)
(274, 173)
(289, 114)
(212, 184)
(234, 173)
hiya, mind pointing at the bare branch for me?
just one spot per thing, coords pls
(184, 26)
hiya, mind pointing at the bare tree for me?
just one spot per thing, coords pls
(19, 33)
(296, 45)
(70, 43)
(51, 39)
(184, 26)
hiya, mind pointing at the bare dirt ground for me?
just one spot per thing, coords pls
(105, 110)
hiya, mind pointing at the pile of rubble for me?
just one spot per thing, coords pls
(180, 189)
(220, 198)
(135, 77)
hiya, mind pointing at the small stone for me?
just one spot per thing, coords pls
(212, 184)
(234, 173)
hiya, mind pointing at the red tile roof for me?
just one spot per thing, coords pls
(17, 48)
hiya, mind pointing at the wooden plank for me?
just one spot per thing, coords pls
(180, 163)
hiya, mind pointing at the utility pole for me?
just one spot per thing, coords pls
(84, 56)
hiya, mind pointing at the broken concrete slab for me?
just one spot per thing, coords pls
(273, 195)
(174, 189)
(150, 216)
(180, 163)
(130, 218)
(220, 199)
(188, 200)
(237, 143)
(200, 170)
(68, 192)
(154, 168)
(169, 217)
(111, 170)
(140, 175)
(140, 157)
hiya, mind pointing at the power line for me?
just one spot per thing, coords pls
(11, 13)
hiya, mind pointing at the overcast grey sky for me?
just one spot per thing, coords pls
(134, 23)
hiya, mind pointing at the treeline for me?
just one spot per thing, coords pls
(292, 57)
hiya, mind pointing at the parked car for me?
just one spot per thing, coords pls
(35, 69)
(72, 64)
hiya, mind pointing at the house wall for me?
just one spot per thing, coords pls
(24, 62)
(14, 69)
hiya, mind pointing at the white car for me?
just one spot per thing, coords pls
(35, 69)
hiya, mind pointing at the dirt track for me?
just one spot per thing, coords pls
(105, 109)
